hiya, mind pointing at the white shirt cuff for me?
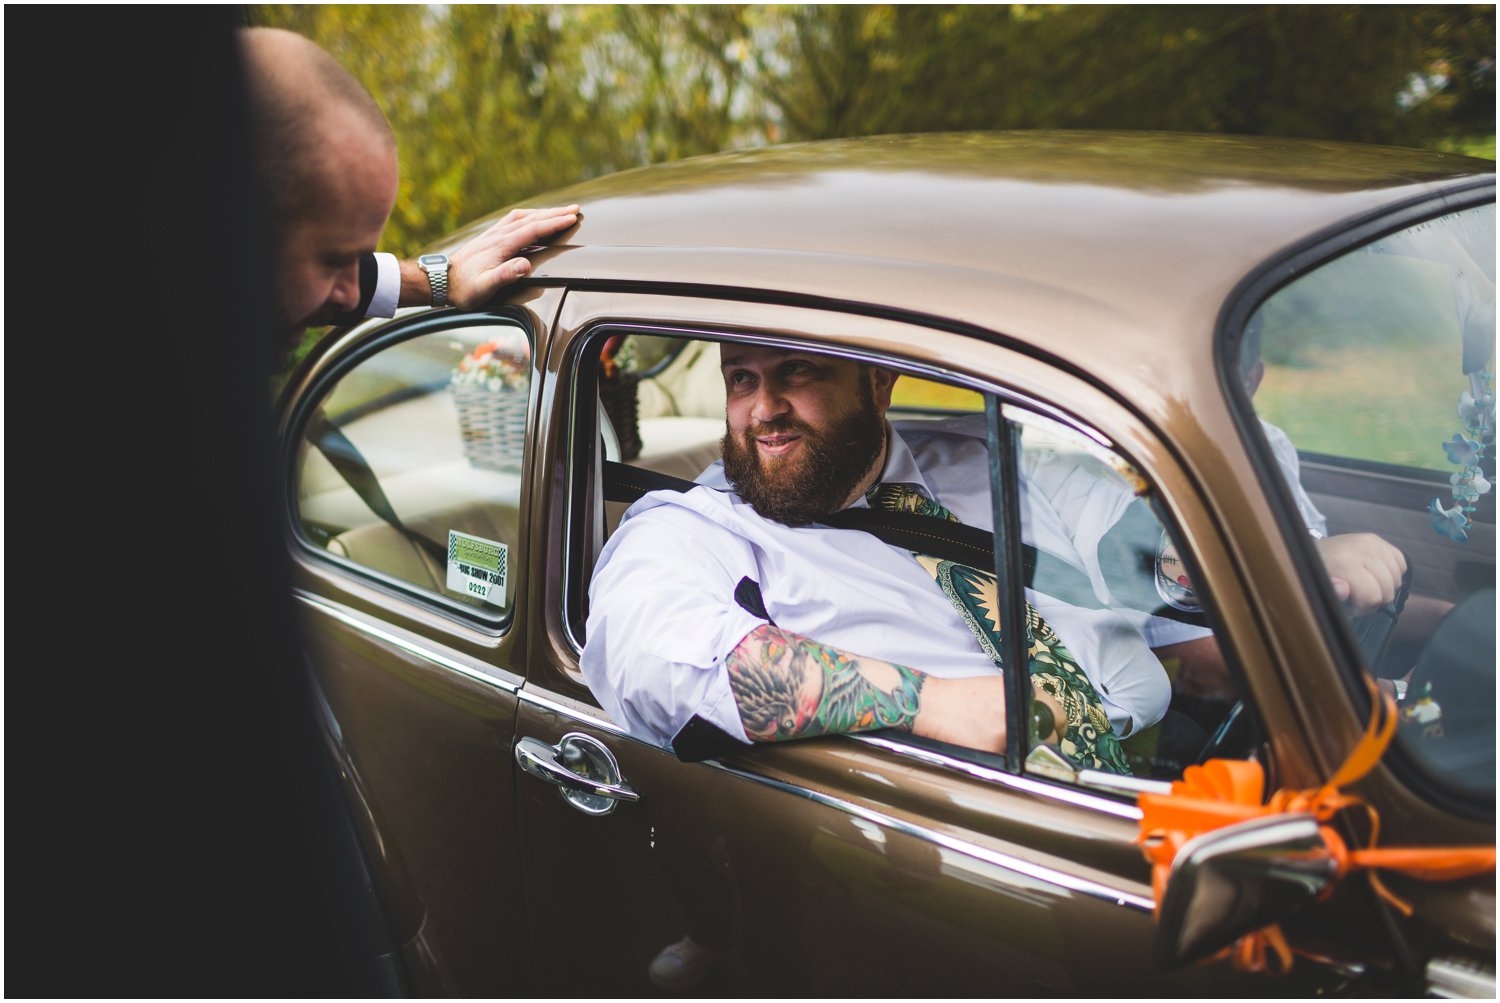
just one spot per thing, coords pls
(387, 286)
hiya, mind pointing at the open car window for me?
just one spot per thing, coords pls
(1115, 632)
(1373, 380)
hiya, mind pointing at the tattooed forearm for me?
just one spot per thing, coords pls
(790, 686)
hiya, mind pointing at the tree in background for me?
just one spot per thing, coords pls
(492, 105)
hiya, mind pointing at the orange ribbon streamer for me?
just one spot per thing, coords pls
(1226, 791)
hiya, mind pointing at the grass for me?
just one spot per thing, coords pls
(1482, 145)
(1348, 404)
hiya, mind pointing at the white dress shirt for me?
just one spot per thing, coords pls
(663, 617)
(387, 286)
(1291, 471)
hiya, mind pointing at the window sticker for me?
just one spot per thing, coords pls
(478, 567)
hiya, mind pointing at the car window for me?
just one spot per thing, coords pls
(1112, 597)
(1373, 379)
(1108, 586)
(409, 468)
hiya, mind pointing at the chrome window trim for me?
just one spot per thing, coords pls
(370, 338)
(347, 617)
(1452, 978)
(577, 715)
(399, 588)
(1014, 781)
(1003, 860)
(1019, 407)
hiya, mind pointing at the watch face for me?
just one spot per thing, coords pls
(432, 259)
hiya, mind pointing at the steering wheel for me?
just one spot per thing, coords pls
(1237, 732)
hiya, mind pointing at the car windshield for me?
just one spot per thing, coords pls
(1373, 377)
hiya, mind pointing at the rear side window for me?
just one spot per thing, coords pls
(410, 466)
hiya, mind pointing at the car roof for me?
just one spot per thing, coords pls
(1053, 237)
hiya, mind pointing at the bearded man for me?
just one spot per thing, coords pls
(728, 610)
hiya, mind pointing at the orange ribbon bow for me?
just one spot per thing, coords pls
(1226, 791)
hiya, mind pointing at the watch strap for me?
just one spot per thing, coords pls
(437, 278)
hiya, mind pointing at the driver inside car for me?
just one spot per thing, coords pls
(1365, 570)
(726, 612)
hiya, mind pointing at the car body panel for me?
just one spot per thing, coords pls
(1085, 274)
(1046, 828)
(426, 749)
(811, 862)
(1108, 249)
(423, 705)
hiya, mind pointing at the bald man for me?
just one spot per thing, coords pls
(327, 157)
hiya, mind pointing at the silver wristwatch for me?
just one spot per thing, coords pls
(436, 267)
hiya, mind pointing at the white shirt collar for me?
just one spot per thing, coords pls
(900, 467)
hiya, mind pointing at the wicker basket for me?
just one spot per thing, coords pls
(493, 425)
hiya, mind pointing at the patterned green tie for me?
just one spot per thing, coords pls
(1089, 741)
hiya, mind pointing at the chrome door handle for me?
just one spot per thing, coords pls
(585, 771)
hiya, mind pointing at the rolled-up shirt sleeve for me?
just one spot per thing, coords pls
(662, 621)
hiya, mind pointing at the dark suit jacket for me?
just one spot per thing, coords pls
(367, 276)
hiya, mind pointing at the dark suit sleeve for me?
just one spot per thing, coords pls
(368, 273)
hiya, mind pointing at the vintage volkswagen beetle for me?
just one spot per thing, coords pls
(1091, 293)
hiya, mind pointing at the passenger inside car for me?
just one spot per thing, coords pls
(729, 612)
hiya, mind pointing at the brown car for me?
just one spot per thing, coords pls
(1264, 353)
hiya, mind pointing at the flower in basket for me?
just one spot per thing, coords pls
(494, 366)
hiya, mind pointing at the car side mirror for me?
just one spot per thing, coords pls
(1231, 881)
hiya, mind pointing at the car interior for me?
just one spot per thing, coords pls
(674, 425)
(387, 467)
(392, 464)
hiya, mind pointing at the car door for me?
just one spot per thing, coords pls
(406, 447)
(876, 864)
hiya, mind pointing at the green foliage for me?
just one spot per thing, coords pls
(492, 105)
(1482, 146)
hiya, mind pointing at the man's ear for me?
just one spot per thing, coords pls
(881, 381)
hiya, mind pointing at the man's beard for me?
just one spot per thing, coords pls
(820, 477)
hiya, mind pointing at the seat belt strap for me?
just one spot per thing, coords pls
(949, 541)
(351, 465)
